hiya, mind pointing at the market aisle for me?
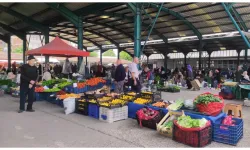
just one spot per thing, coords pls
(50, 127)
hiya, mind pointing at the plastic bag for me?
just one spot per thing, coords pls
(142, 116)
(69, 105)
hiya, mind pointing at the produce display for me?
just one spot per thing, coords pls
(49, 82)
(142, 101)
(169, 124)
(127, 97)
(69, 95)
(52, 90)
(105, 98)
(173, 88)
(39, 89)
(115, 102)
(206, 98)
(95, 81)
(177, 105)
(148, 112)
(80, 85)
(131, 93)
(63, 84)
(5, 82)
(188, 122)
(93, 101)
(160, 104)
(61, 93)
(189, 104)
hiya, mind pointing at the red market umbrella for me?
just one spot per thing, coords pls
(58, 48)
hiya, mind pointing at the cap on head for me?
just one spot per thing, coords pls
(31, 57)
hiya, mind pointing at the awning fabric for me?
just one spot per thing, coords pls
(58, 48)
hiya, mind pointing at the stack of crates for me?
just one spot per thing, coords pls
(114, 114)
(81, 107)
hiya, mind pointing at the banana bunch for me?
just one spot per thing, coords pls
(126, 97)
(107, 104)
(131, 93)
(117, 101)
(142, 101)
(104, 98)
(92, 101)
(146, 92)
(82, 100)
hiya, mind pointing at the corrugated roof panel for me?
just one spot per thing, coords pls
(29, 9)
(116, 8)
(243, 10)
(75, 6)
(7, 18)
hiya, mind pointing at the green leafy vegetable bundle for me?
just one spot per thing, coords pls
(188, 122)
(206, 98)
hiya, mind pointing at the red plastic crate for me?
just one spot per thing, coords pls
(193, 138)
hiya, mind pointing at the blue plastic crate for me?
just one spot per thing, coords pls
(39, 96)
(228, 134)
(93, 111)
(211, 118)
(59, 102)
(133, 108)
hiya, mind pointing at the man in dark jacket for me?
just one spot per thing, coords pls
(29, 78)
(120, 75)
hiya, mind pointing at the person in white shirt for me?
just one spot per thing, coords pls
(134, 77)
(46, 76)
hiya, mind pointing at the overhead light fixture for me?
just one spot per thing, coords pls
(155, 52)
(104, 17)
(222, 48)
(175, 51)
(194, 50)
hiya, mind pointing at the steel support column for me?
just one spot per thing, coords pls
(238, 58)
(236, 26)
(137, 31)
(201, 45)
(118, 53)
(80, 39)
(185, 59)
(166, 61)
(24, 48)
(209, 60)
(245, 58)
(9, 52)
(101, 55)
(46, 35)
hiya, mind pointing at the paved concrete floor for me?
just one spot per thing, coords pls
(50, 127)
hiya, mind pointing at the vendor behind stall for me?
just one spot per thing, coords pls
(66, 70)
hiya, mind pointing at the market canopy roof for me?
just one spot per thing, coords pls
(113, 23)
(57, 47)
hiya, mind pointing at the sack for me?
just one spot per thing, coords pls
(69, 105)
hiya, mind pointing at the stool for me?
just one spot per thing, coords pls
(235, 109)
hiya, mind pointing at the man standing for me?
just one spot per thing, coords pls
(136, 86)
(28, 79)
(119, 77)
(238, 73)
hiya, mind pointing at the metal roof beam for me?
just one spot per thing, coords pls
(238, 17)
(179, 16)
(93, 8)
(12, 30)
(4, 38)
(64, 32)
(26, 19)
(65, 12)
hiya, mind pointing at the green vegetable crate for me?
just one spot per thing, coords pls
(165, 126)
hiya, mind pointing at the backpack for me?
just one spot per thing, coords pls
(151, 77)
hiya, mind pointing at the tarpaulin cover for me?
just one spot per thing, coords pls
(58, 48)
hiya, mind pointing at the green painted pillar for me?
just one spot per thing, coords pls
(245, 58)
(9, 52)
(137, 31)
(46, 34)
(101, 55)
(118, 53)
(24, 48)
(166, 61)
(185, 59)
(209, 60)
(80, 39)
(238, 58)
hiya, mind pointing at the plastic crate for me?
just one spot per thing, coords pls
(150, 123)
(228, 134)
(59, 102)
(133, 108)
(112, 115)
(40, 96)
(193, 138)
(93, 110)
(81, 108)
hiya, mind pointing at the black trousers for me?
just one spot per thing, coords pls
(24, 92)
(137, 87)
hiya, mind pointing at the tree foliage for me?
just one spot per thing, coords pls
(18, 50)
(109, 53)
(125, 56)
(93, 54)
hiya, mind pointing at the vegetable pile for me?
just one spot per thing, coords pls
(188, 122)
(169, 124)
(160, 104)
(206, 98)
(177, 105)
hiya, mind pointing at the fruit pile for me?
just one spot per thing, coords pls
(69, 95)
(142, 101)
(95, 81)
(80, 85)
(147, 95)
(126, 97)
(160, 104)
(131, 93)
(39, 89)
(63, 84)
(93, 101)
(82, 100)
(105, 98)
(114, 102)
